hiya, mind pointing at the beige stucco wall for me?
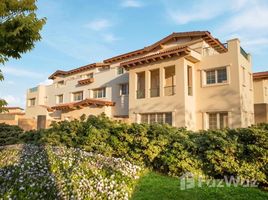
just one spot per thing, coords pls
(233, 97)
(260, 95)
(90, 110)
(46, 95)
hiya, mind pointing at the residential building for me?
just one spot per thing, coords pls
(11, 115)
(187, 79)
(260, 83)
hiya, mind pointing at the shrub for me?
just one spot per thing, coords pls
(9, 134)
(215, 153)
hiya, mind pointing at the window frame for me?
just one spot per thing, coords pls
(97, 90)
(58, 97)
(74, 93)
(120, 70)
(218, 118)
(30, 104)
(159, 117)
(121, 89)
(216, 74)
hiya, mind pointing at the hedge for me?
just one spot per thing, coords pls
(241, 152)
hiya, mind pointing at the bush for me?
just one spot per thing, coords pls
(9, 134)
(215, 153)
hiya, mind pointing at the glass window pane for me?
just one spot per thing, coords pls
(152, 118)
(222, 75)
(211, 78)
(212, 120)
(168, 118)
(144, 118)
(160, 118)
(223, 120)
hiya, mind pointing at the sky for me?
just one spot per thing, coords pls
(80, 32)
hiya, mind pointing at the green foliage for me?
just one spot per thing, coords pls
(214, 153)
(10, 134)
(19, 28)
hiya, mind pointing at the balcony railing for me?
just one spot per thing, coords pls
(140, 94)
(169, 90)
(86, 81)
(154, 92)
(34, 89)
(244, 53)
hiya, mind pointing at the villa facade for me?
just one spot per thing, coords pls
(187, 79)
(260, 82)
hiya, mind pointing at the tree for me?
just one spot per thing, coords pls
(19, 30)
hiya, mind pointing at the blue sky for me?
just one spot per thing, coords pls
(79, 32)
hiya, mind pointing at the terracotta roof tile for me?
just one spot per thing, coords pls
(83, 103)
(77, 70)
(260, 75)
(205, 35)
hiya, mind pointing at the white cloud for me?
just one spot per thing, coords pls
(251, 19)
(249, 23)
(131, 4)
(109, 37)
(46, 82)
(201, 10)
(13, 101)
(21, 72)
(99, 24)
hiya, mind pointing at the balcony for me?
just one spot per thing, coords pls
(140, 94)
(243, 53)
(34, 89)
(154, 92)
(86, 81)
(169, 90)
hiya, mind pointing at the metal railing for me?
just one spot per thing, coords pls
(244, 53)
(169, 90)
(154, 92)
(34, 89)
(140, 94)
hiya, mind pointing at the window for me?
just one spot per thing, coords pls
(59, 98)
(222, 75)
(160, 118)
(78, 96)
(99, 93)
(211, 77)
(90, 75)
(34, 89)
(216, 76)
(218, 120)
(155, 83)
(169, 88)
(144, 118)
(266, 91)
(124, 89)
(32, 102)
(100, 69)
(60, 84)
(168, 118)
(190, 80)
(120, 70)
(140, 85)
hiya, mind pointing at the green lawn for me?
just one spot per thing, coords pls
(156, 186)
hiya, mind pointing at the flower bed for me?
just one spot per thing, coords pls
(46, 172)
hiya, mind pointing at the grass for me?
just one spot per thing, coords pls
(156, 186)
